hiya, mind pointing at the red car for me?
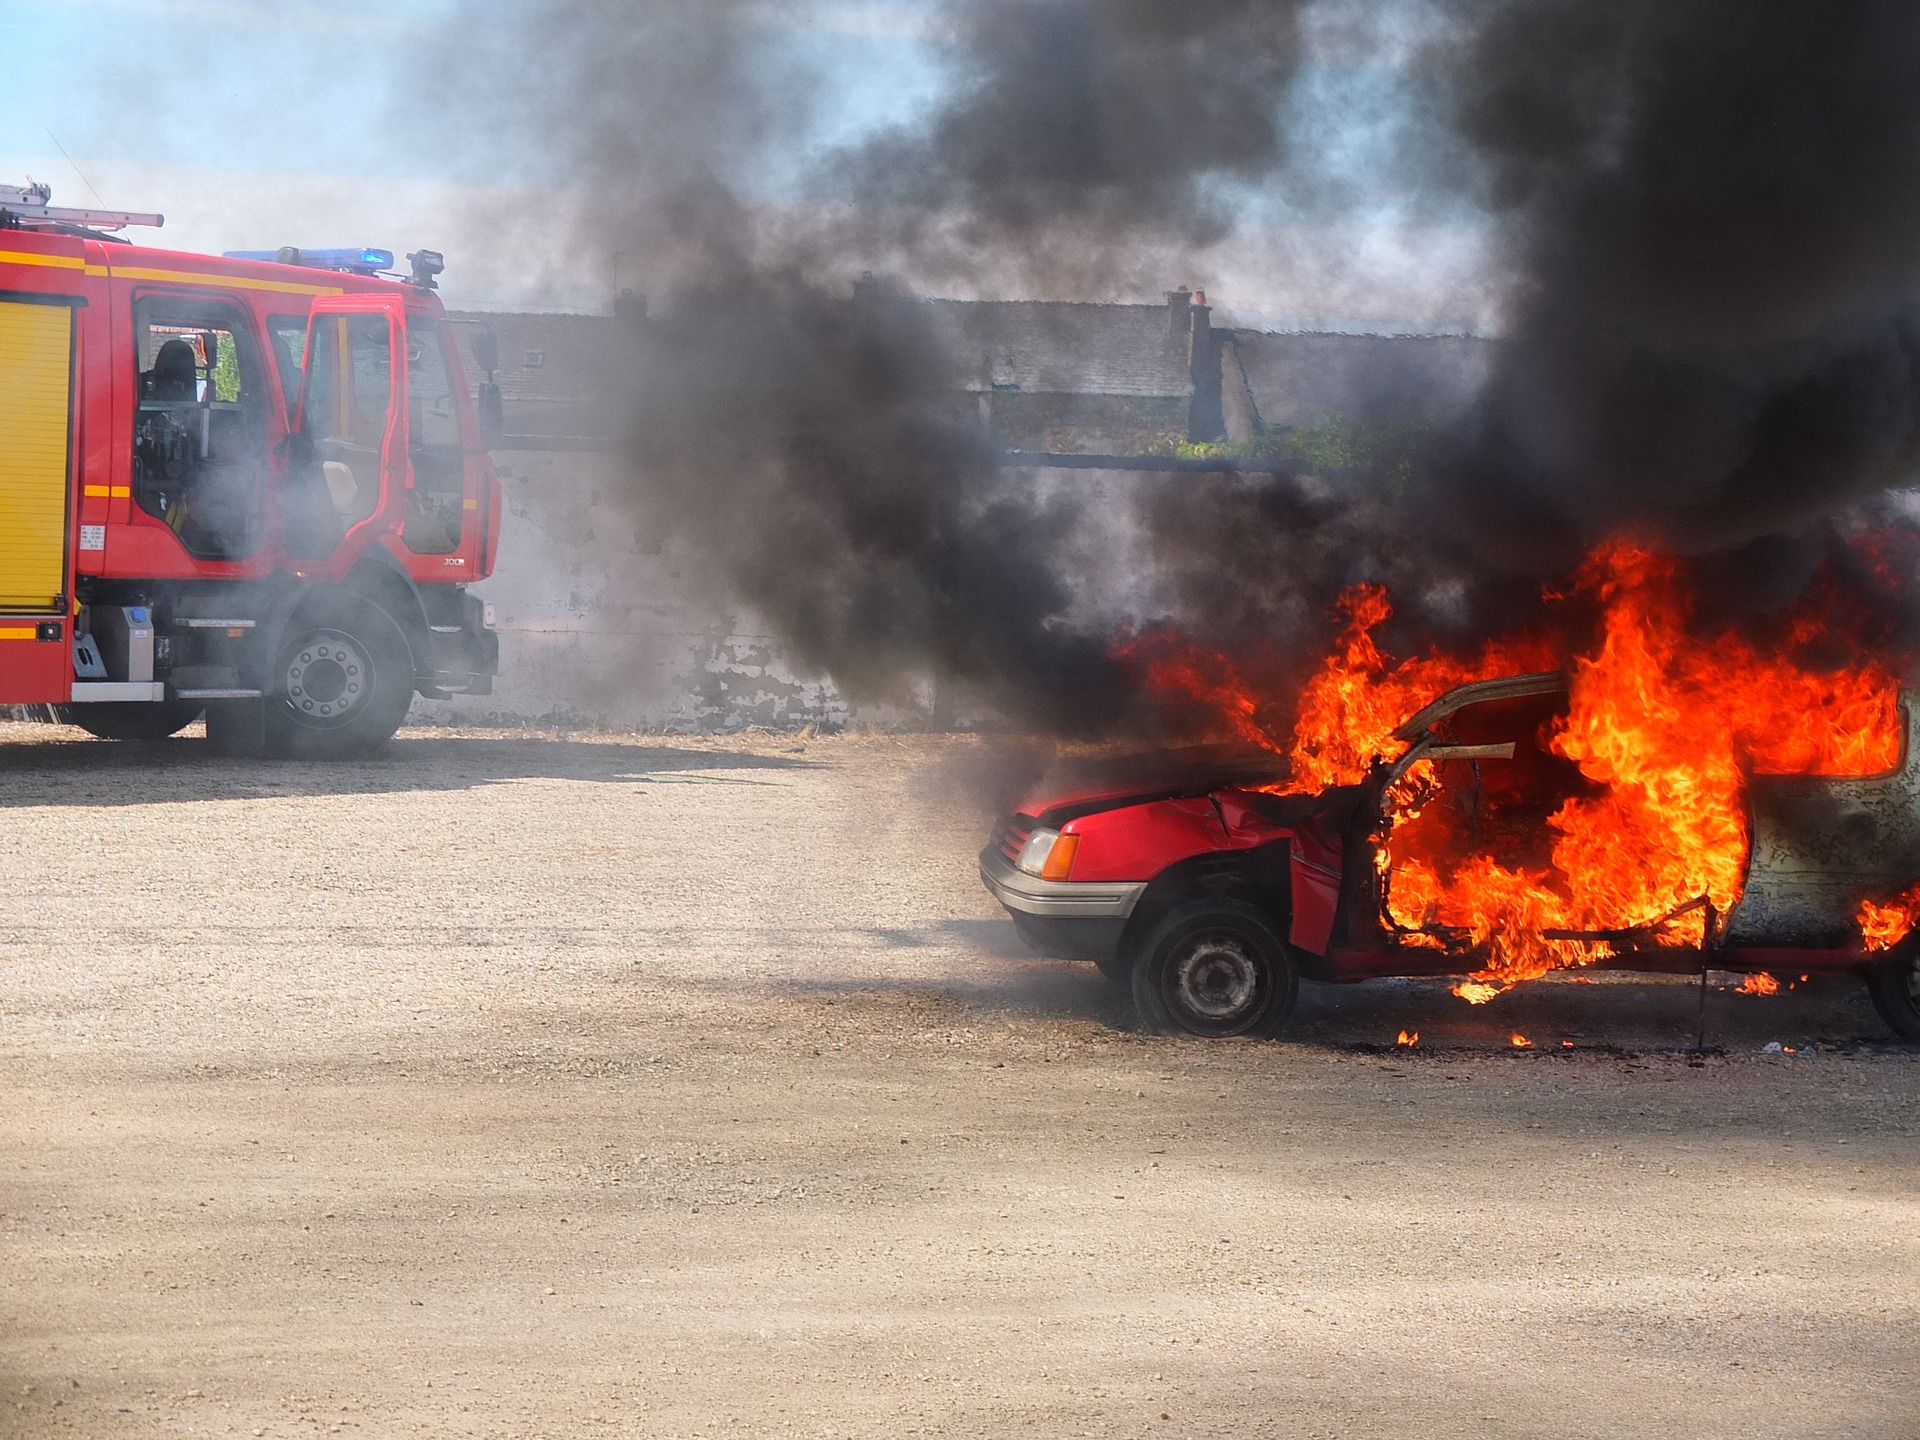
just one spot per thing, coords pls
(1211, 897)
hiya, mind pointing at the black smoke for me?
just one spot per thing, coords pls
(1712, 215)
(1706, 213)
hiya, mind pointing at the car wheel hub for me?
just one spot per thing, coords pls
(328, 678)
(1913, 981)
(1216, 978)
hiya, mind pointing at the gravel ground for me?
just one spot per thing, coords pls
(526, 1085)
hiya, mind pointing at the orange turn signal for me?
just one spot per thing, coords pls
(1059, 862)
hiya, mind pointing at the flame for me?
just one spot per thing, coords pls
(1664, 721)
(1519, 1041)
(1759, 983)
(1351, 707)
(1884, 926)
(1408, 1038)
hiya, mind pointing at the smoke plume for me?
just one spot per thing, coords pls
(1713, 221)
(1707, 215)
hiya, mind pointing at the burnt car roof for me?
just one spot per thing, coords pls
(1074, 788)
(1507, 687)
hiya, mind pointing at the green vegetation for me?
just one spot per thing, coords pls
(1384, 450)
(226, 369)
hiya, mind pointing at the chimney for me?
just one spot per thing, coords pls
(1178, 303)
(1206, 418)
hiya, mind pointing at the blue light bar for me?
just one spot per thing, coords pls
(364, 260)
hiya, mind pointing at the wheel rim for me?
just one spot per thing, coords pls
(1216, 980)
(1913, 981)
(327, 678)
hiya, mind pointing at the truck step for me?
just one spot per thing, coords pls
(117, 692)
(218, 693)
(202, 622)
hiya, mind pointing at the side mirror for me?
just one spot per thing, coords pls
(493, 415)
(486, 350)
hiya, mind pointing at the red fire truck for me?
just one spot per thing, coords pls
(251, 488)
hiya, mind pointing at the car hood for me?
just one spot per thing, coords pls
(1075, 787)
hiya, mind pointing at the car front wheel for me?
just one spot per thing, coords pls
(1895, 985)
(1215, 968)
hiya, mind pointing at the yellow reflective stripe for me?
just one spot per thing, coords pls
(19, 632)
(226, 282)
(55, 262)
(106, 492)
(181, 277)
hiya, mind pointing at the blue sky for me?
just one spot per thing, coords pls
(295, 85)
(258, 123)
(232, 83)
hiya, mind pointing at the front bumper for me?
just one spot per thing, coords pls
(1026, 894)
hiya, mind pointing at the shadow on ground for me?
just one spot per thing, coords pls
(60, 770)
(1639, 1013)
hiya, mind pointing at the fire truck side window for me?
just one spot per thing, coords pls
(348, 390)
(435, 504)
(200, 434)
(289, 334)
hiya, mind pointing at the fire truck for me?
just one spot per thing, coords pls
(253, 487)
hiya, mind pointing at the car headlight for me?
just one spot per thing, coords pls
(1048, 854)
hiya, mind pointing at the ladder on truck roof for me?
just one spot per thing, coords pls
(30, 207)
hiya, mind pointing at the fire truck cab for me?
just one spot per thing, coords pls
(249, 489)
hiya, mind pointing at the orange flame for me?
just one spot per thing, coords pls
(1408, 1038)
(1759, 983)
(1519, 1041)
(1662, 725)
(1884, 926)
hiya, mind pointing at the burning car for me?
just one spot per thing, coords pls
(1211, 884)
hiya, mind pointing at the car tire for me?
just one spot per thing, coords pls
(342, 681)
(1895, 986)
(131, 720)
(1215, 968)
(1115, 969)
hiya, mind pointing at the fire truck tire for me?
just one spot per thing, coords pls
(132, 721)
(1215, 968)
(342, 681)
(1895, 986)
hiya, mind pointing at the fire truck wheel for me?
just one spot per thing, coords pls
(1215, 968)
(342, 683)
(1895, 985)
(132, 721)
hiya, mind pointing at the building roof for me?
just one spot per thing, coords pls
(1297, 379)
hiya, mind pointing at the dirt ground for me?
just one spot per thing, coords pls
(519, 1085)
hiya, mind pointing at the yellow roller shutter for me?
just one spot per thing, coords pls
(36, 349)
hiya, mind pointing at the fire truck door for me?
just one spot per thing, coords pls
(36, 412)
(351, 447)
